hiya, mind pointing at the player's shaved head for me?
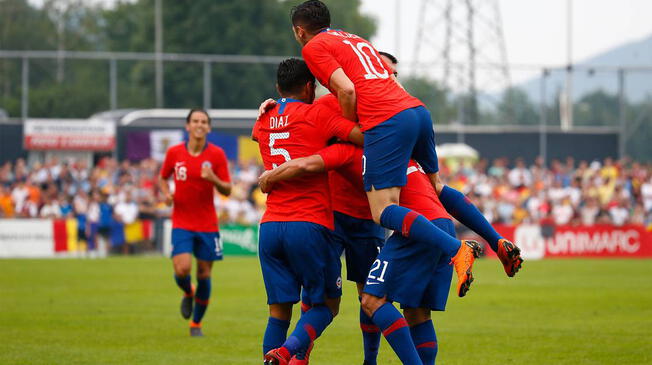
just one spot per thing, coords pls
(292, 76)
(313, 15)
(389, 57)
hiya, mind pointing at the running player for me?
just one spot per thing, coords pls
(295, 245)
(199, 168)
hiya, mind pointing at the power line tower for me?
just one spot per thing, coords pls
(463, 41)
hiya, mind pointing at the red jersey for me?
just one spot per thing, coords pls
(378, 96)
(343, 162)
(293, 129)
(193, 208)
(420, 196)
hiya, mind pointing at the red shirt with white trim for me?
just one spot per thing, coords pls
(193, 207)
(293, 129)
(378, 96)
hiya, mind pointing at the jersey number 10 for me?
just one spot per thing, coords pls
(365, 60)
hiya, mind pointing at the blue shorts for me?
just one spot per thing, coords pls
(361, 241)
(389, 146)
(415, 274)
(296, 255)
(206, 246)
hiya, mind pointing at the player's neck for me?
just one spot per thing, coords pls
(299, 97)
(196, 145)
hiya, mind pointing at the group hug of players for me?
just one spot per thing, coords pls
(340, 170)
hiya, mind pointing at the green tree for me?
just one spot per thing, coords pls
(433, 96)
(596, 109)
(515, 107)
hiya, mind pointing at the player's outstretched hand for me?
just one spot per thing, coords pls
(264, 183)
(265, 106)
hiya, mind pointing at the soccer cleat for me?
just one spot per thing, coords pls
(302, 357)
(463, 263)
(186, 304)
(196, 332)
(279, 356)
(510, 255)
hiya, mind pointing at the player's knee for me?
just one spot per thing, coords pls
(416, 316)
(181, 269)
(371, 303)
(203, 272)
(334, 306)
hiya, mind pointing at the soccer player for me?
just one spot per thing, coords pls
(199, 168)
(295, 244)
(396, 126)
(466, 213)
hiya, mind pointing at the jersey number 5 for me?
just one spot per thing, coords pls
(365, 60)
(273, 137)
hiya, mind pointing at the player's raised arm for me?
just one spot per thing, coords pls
(344, 89)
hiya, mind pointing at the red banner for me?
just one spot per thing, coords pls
(539, 241)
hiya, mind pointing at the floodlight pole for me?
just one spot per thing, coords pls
(158, 46)
(543, 137)
(24, 104)
(622, 118)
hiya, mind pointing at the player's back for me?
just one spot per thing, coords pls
(419, 195)
(293, 129)
(378, 96)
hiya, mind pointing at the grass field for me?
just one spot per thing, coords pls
(125, 311)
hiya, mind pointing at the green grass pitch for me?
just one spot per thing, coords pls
(125, 311)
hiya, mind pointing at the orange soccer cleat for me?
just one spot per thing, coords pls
(510, 255)
(463, 263)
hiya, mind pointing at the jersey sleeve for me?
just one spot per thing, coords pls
(320, 61)
(221, 166)
(336, 155)
(168, 164)
(335, 125)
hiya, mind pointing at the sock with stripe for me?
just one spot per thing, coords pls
(184, 283)
(275, 334)
(305, 306)
(202, 296)
(425, 340)
(370, 338)
(397, 333)
(310, 326)
(415, 226)
(461, 208)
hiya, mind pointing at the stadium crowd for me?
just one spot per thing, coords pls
(565, 192)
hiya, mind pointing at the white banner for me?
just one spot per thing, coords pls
(26, 238)
(69, 134)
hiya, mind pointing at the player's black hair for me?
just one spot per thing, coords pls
(198, 110)
(292, 75)
(312, 15)
(390, 56)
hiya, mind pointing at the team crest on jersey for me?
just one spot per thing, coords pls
(206, 164)
(339, 282)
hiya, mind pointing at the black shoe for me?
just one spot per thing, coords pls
(186, 307)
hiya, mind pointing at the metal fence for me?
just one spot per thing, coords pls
(602, 99)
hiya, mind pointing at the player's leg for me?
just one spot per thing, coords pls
(363, 241)
(377, 291)
(207, 249)
(309, 254)
(281, 285)
(387, 151)
(182, 243)
(423, 333)
(462, 209)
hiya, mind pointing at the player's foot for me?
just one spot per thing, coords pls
(186, 304)
(302, 357)
(195, 330)
(510, 255)
(279, 356)
(463, 263)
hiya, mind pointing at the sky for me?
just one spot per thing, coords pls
(534, 30)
